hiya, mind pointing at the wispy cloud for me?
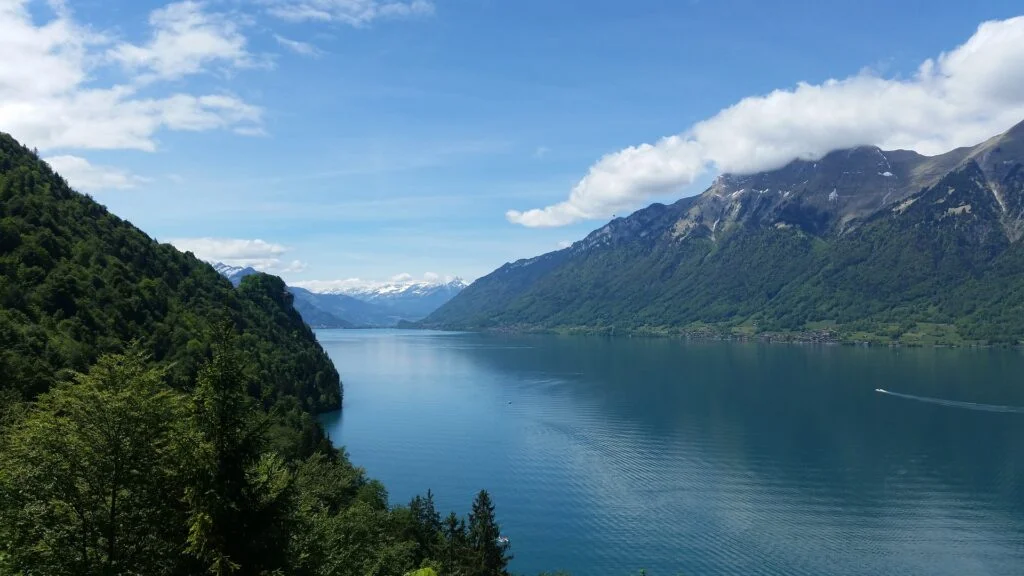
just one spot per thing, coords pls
(302, 48)
(50, 97)
(541, 151)
(351, 12)
(261, 255)
(87, 177)
(957, 99)
(186, 39)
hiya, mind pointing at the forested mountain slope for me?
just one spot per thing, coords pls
(861, 244)
(156, 420)
(77, 282)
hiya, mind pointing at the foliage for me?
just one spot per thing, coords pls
(116, 472)
(491, 555)
(157, 420)
(77, 282)
(239, 500)
(87, 477)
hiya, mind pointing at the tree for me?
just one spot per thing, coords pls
(426, 526)
(491, 554)
(456, 545)
(90, 480)
(239, 500)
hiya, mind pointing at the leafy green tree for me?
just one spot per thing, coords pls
(90, 480)
(491, 554)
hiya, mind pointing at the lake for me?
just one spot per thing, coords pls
(608, 455)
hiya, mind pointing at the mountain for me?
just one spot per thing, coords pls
(77, 282)
(234, 273)
(375, 306)
(340, 311)
(380, 307)
(407, 300)
(155, 419)
(863, 244)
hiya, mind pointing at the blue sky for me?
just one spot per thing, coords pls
(332, 139)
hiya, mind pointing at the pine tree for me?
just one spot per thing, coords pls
(425, 526)
(429, 515)
(239, 501)
(456, 546)
(492, 555)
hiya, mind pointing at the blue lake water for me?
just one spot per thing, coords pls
(605, 456)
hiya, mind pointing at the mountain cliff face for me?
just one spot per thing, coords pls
(862, 244)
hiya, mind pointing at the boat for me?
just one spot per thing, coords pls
(502, 539)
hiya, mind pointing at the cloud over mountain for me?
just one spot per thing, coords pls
(956, 99)
(88, 177)
(259, 254)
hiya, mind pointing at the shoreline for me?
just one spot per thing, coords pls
(824, 337)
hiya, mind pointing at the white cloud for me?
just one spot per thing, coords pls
(541, 151)
(250, 131)
(186, 40)
(303, 48)
(562, 245)
(351, 12)
(87, 177)
(345, 285)
(958, 99)
(50, 97)
(261, 255)
(295, 266)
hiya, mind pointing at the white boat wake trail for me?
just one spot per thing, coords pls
(956, 404)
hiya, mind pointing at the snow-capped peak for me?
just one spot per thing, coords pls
(227, 269)
(233, 273)
(402, 284)
(411, 297)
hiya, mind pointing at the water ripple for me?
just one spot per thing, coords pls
(720, 460)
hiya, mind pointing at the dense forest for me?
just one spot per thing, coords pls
(77, 282)
(116, 472)
(156, 420)
(847, 248)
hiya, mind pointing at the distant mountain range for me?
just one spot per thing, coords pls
(375, 306)
(862, 244)
(411, 300)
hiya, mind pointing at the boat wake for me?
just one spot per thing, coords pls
(956, 404)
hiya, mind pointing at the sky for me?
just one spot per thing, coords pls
(327, 140)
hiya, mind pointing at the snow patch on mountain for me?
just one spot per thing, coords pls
(233, 273)
(402, 284)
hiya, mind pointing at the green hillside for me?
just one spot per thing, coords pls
(77, 282)
(860, 245)
(155, 420)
